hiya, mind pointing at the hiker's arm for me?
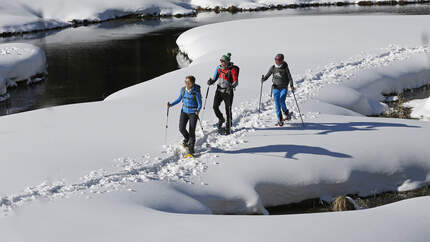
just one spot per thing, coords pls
(234, 74)
(290, 78)
(215, 77)
(234, 77)
(269, 73)
(178, 99)
(199, 101)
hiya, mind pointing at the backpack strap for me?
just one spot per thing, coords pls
(183, 93)
(193, 92)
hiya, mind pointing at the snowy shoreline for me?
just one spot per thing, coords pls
(20, 62)
(30, 20)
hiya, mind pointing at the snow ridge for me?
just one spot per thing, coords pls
(170, 166)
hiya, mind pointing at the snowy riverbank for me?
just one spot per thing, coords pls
(420, 108)
(86, 159)
(24, 16)
(20, 62)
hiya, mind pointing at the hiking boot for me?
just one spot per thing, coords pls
(219, 124)
(227, 131)
(287, 115)
(280, 123)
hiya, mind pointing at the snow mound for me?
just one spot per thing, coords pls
(420, 108)
(30, 15)
(20, 62)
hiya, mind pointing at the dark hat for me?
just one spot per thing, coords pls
(226, 58)
(279, 57)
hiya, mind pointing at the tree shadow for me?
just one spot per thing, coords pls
(327, 128)
(291, 151)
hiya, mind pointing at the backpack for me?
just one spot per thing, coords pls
(233, 66)
(229, 75)
(194, 93)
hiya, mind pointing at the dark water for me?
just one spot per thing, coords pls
(89, 63)
(83, 72)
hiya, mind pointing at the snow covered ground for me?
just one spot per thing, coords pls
(420, 108)
(99, 171)
(19, 62)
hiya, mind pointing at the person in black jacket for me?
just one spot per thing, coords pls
(281, 79)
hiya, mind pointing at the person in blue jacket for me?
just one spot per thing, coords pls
(191, 104)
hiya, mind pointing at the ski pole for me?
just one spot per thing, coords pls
(201, 126)
(261, 91)
(167, 125)
(298, 108)
(206, 98)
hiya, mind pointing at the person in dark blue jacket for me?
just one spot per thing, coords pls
(191, 104)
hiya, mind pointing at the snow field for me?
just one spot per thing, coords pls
(258, 166)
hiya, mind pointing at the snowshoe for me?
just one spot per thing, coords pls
(287, 116)
(189, 155)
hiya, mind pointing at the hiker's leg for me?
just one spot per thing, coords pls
(183, 120)
(217, 103)
(228, 100)
(277, 99)
(192, 131)
(283, 96)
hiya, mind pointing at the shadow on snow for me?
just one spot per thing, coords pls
(327, 128)
(291, 151)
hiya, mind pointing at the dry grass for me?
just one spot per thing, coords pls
(342, 203)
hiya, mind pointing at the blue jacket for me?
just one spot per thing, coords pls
(190, 105)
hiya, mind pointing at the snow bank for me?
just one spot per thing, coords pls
(30, 15)
(123, 216)
(20, 62)
(420, 108)
(362, 76)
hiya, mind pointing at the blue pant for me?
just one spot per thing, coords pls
(279, 95)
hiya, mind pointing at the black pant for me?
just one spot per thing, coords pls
(189, 136)
(227, 97)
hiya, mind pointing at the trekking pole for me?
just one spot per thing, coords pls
(298, 108)
(167, 126)
(261, 91)
(206, 98)
(201, 126)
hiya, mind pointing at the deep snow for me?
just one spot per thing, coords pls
(420, 108)
(20, 62)
(85, 149)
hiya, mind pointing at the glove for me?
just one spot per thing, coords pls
(210, 81)
(234, 84)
